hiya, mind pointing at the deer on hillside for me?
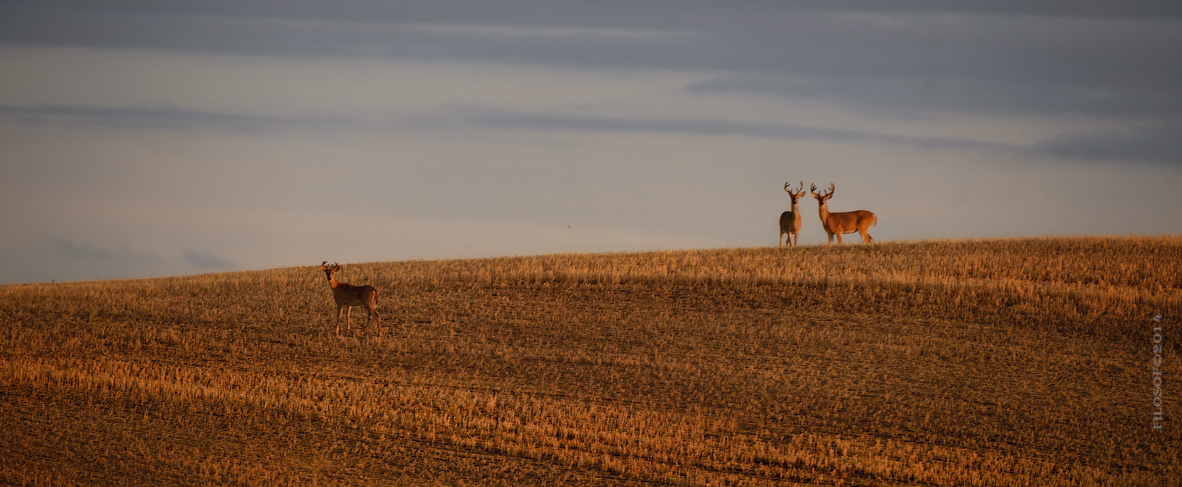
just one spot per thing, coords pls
(790, 220)
(845, 222)
(347, 296)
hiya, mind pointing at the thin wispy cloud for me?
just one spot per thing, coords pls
(494, 119)
(73, 250)
(206, 260)
(166, 118)
(1156, 144)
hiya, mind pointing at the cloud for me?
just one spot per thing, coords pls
(922, 94)
(482, 118)
(1160, 144)
(67, 249)
(169, 118)
(1112, 60)
(406, 33)
(73, 258)
(206, 260)
(1156, 144)
(496, 119)
(1153, 144)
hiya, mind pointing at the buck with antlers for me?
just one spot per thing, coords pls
(790, 220)
(347, 296)
(845, 222)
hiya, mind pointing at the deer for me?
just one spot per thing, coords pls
(790, 220)
(845, 222)
(347, 296)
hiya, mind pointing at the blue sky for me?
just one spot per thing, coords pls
(144, 139)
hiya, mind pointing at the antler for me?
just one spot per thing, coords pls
(813, 188)
(800, 188)
(830, 188)
(789, 183)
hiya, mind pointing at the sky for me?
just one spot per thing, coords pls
(147, 139)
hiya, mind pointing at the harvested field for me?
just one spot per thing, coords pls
(976, 362)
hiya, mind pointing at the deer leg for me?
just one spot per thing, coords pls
(373, 314)
(349, 319)
(368, 318)
(339, 320)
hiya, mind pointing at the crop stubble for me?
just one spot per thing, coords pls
(990, 362)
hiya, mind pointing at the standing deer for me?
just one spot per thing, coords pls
(845, 222)
(347, 296)
(790, 220)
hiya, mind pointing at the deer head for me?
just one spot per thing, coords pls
(823, 196)
(794, 194)
(329, 270)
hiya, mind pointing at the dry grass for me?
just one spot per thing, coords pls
(994, 362)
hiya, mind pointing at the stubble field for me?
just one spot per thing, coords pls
(985, 362)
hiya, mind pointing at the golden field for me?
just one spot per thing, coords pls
(976, 362)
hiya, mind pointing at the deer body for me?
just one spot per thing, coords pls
(843, 222)
(790, 220)
(347, 296)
